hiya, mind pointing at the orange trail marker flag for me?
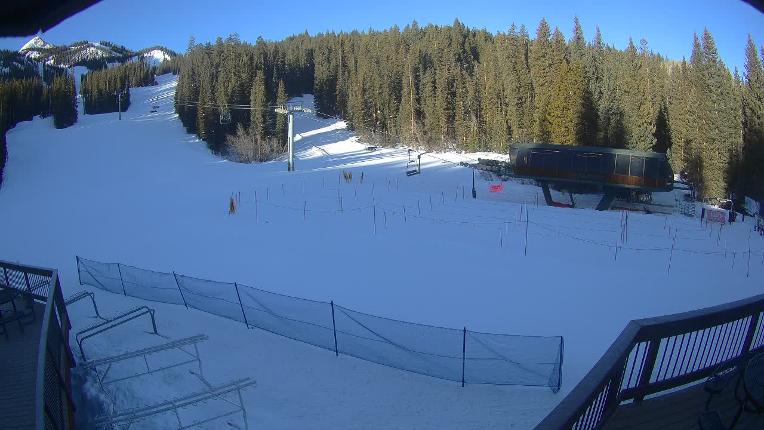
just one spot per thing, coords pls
(496, 188)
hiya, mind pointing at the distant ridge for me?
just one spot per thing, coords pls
(93, 55)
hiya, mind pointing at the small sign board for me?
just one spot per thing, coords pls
(716, 215)
(496, 188)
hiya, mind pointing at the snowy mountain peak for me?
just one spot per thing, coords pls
(93, 55)
(35, 43)
(155, 56)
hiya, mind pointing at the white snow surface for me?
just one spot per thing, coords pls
(143, 192)
(154, 57)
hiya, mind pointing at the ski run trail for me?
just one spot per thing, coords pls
(143, 192)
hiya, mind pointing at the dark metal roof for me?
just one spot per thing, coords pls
(28, 17)
(590, 149)
(758, 4)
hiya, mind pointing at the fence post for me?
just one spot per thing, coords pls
(525, 251)
(240, 304)
(464, 350)
(334, 328)
(79, 274)
(122, 281)
(179, 289)
(29, 286)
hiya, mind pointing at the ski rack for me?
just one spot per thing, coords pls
(124, 420)
(109, 324)
(145, 352)
(81, 295)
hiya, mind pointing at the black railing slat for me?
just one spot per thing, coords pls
(723, 329)
(728, 347)
(671, 354)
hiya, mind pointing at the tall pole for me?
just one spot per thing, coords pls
(290, 140)
(119, 104)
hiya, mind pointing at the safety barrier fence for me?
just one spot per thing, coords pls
(459, 355)
(677, 236)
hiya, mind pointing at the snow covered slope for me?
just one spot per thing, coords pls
(154, 57)
(143, 192)
(84, 52)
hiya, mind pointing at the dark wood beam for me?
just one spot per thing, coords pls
(28, 17)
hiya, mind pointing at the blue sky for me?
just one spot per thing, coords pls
(667, 25)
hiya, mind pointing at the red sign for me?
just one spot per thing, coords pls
(496, 188)
(716, 215)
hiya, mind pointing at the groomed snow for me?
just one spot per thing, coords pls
(143, 192)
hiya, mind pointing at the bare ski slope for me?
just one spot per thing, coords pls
(143, 192)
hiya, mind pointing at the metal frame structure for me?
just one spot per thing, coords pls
(653, 356)
(111, 323)
(144, 353)
(81, 295)
(124, 420)
(289, 111)
(608, 169)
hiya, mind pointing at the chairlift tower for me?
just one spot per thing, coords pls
(119, 102)
(289, 110)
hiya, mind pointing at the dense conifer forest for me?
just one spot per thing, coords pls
(452, 87)
(23, 98)
(101, 89)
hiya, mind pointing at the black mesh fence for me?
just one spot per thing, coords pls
(454, 354)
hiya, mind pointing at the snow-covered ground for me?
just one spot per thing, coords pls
(143, 192)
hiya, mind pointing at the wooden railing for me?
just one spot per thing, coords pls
(54, 408)
(655, 355)
(34, 281)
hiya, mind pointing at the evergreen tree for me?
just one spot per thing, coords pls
(63, 101)
(259, 104)
(577, 42)
(20, 100)
(542, 75)
(752, 176)
(453, 87)
(281, 120)
(571, 114)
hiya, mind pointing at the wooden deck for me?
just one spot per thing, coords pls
(681, 410)
(18, 373)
